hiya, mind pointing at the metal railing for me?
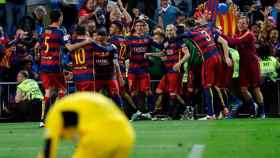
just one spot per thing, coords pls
(8, 90)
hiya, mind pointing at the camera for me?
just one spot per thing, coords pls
(100, 16)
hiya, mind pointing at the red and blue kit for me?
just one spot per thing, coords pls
(203, 39)
(83, 67)
(138, 64)
(105, 70)
(249, 74)
(171, 81)
(121, 44)
(52, 41)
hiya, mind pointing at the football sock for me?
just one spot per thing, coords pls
(118, 100)
(208, 95)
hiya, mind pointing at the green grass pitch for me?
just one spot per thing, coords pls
(168, 139)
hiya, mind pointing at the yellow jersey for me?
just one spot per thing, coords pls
(84, 115)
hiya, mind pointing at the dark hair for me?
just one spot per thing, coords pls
(139, 21)
(102, 32)
(80, 30)
(55, 15)
(24, 73)
(119, 25)
(264, 51)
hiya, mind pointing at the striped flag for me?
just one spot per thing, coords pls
(212, 7)
(227, 22)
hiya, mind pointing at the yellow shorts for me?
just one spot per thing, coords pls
(106, 144)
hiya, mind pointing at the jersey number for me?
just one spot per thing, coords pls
(80, 56)
(122, 51)
(47, 44)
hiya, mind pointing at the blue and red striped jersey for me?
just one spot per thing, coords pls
(104, 57)
(83, 62)
(138, 46)
(173, 53)
(121, 43)
(52, 41)
(204, 40)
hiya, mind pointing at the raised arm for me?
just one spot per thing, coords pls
(224, 44)
(247, 37)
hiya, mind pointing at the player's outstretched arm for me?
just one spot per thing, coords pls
(247, 37)
(224, 44)
(72, 47)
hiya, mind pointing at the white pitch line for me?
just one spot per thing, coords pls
(197, 151)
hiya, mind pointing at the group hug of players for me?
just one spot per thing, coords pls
(100, 63)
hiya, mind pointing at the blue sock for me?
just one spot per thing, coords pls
(251, 103)
(208, 95)
(261, 108)
(150, 102)
(118, 100)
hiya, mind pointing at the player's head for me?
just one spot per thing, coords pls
(243, 23)
(80, 30)
(116, 28)
(102, 35)
(56, 16)
(139, 26)
(170, 31)
(22, 75)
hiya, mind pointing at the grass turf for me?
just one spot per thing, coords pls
(169, 139)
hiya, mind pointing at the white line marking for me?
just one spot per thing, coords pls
(197, 151)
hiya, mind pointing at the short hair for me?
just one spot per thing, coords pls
(139, 21)
(102, 32)
(55, 15)
(246, 18)
(80, 30)
(119, 25)
(24, 73)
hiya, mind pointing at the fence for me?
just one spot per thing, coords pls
(271, 92)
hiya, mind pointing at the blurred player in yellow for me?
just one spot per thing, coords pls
(94, 121)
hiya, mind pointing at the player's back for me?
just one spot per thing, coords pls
(52, 41)
(93, 110)
(83, 63)
(103, 130)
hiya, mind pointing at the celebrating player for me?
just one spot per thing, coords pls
(117, 38)
(173, 59)
(204, 39)
(107, 66)
(83, 66)
(52, 41)
(138, 76)
(249, 66)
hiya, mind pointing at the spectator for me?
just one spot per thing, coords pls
(28, 100)
(184, 5)
(273, 39)
(15, 10)
(69, 6)
(39, 13)
(167, 12)
(87, 12)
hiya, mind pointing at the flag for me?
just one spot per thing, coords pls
(227, 22)
(211, 7)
